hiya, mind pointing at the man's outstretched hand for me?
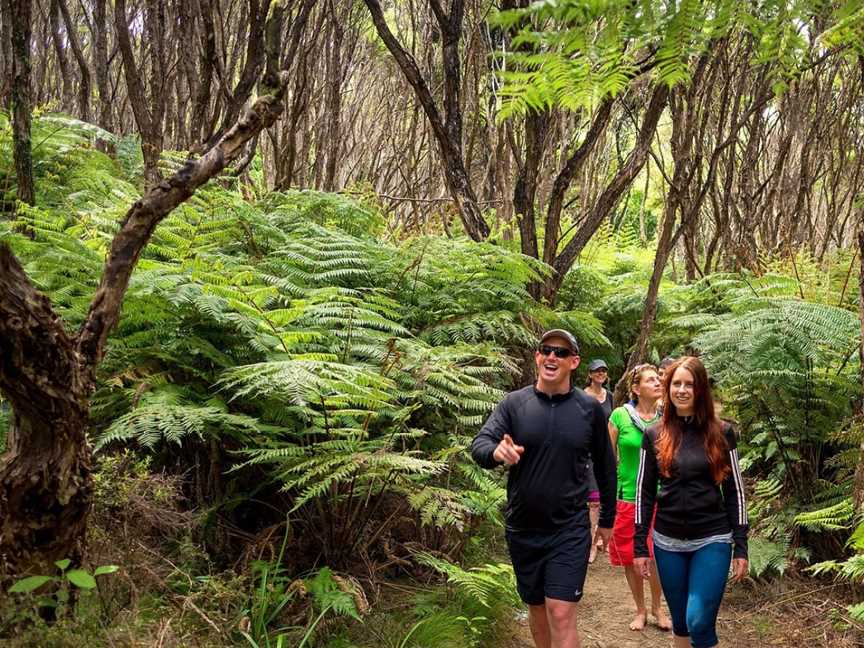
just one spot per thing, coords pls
(508, 452)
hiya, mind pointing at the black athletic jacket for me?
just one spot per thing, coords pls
(689, 504)
(548, 488)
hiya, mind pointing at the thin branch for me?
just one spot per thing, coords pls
(143, 217)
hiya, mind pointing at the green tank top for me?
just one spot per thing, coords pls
(629, 444)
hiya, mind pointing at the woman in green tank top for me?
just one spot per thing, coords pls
(626, 427)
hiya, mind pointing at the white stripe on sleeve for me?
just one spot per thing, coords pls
(639, 477)
(739, 486)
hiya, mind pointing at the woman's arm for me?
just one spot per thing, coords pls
(604, 468)
(646, 493)
(613, 437)
(733, 496)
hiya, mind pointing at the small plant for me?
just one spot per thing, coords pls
(60, 595)
(330, 594)
(850, 569)
(272, 593)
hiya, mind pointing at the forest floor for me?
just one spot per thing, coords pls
(798, 615)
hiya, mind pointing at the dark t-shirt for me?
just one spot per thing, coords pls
(607, 411)
(548, 488)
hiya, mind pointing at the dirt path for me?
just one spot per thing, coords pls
(744, 620)
(604, 614)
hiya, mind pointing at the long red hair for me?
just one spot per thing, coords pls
(672, 425)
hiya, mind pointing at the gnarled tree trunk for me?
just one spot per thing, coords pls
(44, 474)
(47, 374)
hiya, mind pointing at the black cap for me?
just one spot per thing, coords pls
(596, 364)
(567, 336)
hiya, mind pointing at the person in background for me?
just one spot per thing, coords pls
(701, 516)
(545, 433)
(664, 365)
(598, 375)
(626, 428)
(661, 371)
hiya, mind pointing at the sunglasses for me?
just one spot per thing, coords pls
(560, 352)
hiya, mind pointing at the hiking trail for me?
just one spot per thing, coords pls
(607, 609)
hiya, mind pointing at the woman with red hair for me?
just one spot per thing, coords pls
(701, 515)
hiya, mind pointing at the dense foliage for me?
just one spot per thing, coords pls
(282, 353)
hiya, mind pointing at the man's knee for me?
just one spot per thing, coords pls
(561, 614)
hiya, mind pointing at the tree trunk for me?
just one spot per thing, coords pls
(200, 126)
(148, 116)
(60, 50)
(251, 69)
(858, 483)
(612, 193)
(100, 64)
(84, 87)
(334, 104)
(45, 491)
(20, 10)
(665, 245)
(448, 131)
(525, 189)
(7, 65)
(44, 474)
(46, 374)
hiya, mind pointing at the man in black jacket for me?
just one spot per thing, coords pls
(546, 433)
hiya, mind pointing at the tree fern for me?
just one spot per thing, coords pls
(485, 584)
(570, 54)
(150, 425)
(831, 518)
(766, 555)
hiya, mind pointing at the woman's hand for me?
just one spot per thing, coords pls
(642, 566)
(740, 569)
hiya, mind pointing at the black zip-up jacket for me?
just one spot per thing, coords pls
(548, 488)
(690, 505)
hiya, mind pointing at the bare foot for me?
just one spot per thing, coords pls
(593, 555)
(638, 622)
(662, 619)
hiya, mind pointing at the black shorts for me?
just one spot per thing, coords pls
(552, 564)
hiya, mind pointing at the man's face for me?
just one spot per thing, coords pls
(553, 369)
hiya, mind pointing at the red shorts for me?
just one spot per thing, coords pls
(621, 545)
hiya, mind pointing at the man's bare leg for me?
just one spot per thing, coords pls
(562, 624)
(539, 624)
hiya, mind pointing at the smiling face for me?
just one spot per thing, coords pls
(553, 373)
(682, 391)
(598, 377)
(647, 386)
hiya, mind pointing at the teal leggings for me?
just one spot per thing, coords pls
(693, 584)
